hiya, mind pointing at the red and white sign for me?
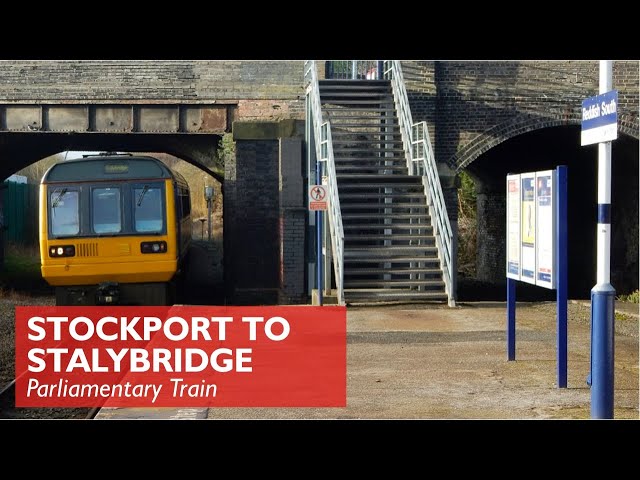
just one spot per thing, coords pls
(318, 197)
(183, 356)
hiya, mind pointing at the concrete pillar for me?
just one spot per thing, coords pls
(264, 215)
(292, 222)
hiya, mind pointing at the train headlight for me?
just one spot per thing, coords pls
(153, 247)
(62, 251)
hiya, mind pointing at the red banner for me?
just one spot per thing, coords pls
(195, 356)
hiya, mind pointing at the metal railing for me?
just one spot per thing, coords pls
(324, 152)
(353, 69)
(421, 161)
(393, 72)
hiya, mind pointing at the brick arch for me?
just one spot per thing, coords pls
(627, 124)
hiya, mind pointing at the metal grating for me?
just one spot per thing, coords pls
(87, 250)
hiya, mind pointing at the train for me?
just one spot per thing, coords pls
(114, 229)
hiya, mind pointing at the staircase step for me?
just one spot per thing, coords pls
(346, 88)
(392, 147)
(434, 284)
(368, 296)
(339, 124)
(347, 150)
(376, 205)
(353, 93)
(372, 169)
(365, 137)
(356, 103)
(366, 170)
(358, 109)
(345, 164)
(426, 229)
(338, 155)
(391, 186)
(380, 259)
(427, 240)
(359, 196)
(393, 271)
(365, 141)
(409, 179)
(390, 241)
(370, 165)
(382, 216)
(339, 130)
(356, 82)
(388, 252)
(365, 121)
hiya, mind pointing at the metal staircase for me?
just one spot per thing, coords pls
(390, 249)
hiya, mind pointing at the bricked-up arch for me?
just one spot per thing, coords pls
(546, 148)
(494, 136)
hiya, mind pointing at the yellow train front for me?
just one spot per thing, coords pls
(114, 229)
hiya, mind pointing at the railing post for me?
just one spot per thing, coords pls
(453, 274)
(319, 264)
(311, 162)
(332, 234)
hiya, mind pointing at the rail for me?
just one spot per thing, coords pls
(324, 152)
(421, 161)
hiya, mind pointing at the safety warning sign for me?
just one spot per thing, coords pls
(318, 197)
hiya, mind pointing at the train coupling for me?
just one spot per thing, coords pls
(107, 293)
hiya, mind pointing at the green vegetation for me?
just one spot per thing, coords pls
(226, 149)
(21, 270)
(467, 225)
(633, 297)
(619, 316)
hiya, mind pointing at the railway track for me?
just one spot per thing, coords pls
(8, 410)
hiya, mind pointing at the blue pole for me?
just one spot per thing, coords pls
(511, 319)
(319, 263)
(561, 269)
(603, 294)
(602, 358)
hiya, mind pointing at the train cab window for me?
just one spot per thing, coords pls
(147, 213)
(64, 212)
(105, 212)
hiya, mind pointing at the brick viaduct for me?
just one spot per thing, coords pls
(474, 109)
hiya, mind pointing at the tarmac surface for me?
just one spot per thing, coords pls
(436, 362)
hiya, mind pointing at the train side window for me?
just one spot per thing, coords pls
(105, 212)
(186, 203)
(147, 209)
(65, 218)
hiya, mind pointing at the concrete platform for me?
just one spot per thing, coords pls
(436, 362)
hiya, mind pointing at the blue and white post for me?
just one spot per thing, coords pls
(319, 262)
(603, 294)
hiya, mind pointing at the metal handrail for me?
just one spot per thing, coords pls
(421, 161)
(392, 71)
(324, 152)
